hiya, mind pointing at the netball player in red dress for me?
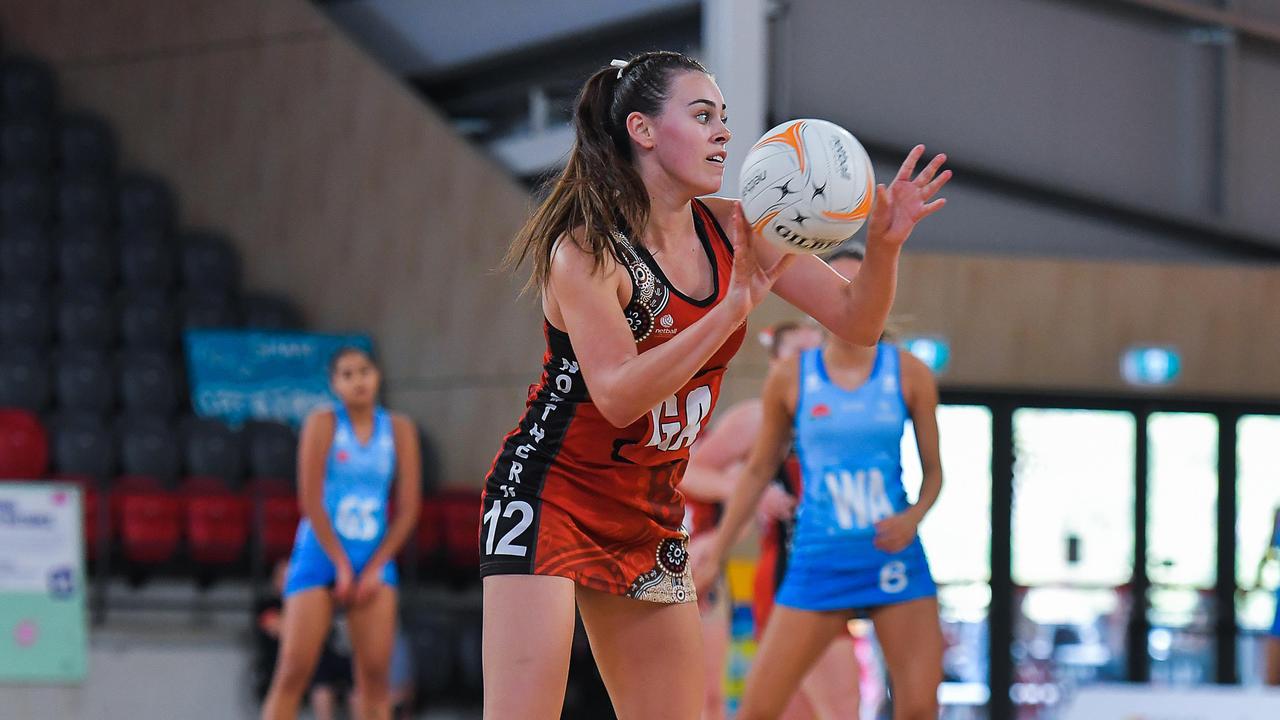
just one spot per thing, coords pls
(645, 298)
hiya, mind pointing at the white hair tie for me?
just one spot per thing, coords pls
(621, 65)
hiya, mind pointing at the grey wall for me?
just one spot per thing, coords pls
(1122, 107)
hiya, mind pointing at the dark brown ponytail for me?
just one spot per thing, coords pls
(599, 189)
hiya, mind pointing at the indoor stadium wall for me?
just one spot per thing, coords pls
(352, 196)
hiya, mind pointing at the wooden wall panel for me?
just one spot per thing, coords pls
(91, 31)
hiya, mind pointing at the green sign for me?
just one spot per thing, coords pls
(43, 634)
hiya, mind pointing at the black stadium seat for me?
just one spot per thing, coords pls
(25, 317)
(268, 312)
(208, 309)
(85, 381)
(25, 145)
(212, 449)
(209, 263)
(27, 88)
(148, 383)
(272, 449)
(146, 259)
(145, 202)
(24, 379)
(82, 445)
(86, 257)
(84, 200)
(26, 255)
(85, 145)
(86, 319)
(147, 321)
(26, 198)
(149, 448)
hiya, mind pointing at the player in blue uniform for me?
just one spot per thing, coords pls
(349, 458)
(854, 549)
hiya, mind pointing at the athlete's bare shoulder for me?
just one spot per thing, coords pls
(574, 267)
(917, 378)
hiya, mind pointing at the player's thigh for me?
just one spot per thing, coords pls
(304, 626)
(649, 654)
(792, 643)
(528, 634)
(911, 641)
(373, 631)
(832, 684)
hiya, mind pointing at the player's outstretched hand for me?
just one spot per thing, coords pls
(907, 200)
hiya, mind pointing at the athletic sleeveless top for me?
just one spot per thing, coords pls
(357, 481)
(849, 446)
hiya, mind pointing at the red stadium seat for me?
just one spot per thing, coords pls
(149, 519)
(428, 536)
(280, 516)
(216, 521)
(89, 499)
(24, 446)
(461, 523)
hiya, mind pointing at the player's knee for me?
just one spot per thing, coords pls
(292, 678)
(374, 678)
(917, 706)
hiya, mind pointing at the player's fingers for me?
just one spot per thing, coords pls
(936, 184)
(932, 208)
(909, 164)
(930, 170)
(781, 266)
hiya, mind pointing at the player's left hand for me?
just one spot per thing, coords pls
(366, 585)
(906, 201)
(895, 533)
(704, 561)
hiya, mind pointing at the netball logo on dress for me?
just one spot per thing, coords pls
(670, 581)
(650, 297)
(673, 556)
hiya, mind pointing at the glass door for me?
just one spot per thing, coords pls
(1072, 552)
(1257, 502)
(1182, 546)
(957, 538)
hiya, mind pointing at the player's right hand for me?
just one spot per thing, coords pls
(750, 281)
(342, 584)
(776, 505)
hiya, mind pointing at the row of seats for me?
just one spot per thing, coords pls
(132, 257)
(32, 197)
(183, 488)
(143, 320)
(78, 444)
(145, 524)
(91, 382)
(75, 144)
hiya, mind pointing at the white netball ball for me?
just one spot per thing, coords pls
(807, 186)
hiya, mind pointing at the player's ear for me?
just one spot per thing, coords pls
(641, 131)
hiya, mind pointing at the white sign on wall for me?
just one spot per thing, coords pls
(43, 634)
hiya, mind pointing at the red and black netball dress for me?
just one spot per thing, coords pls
(775, 543)
(571, 495)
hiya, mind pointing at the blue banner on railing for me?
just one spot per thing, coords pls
(239, 375)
